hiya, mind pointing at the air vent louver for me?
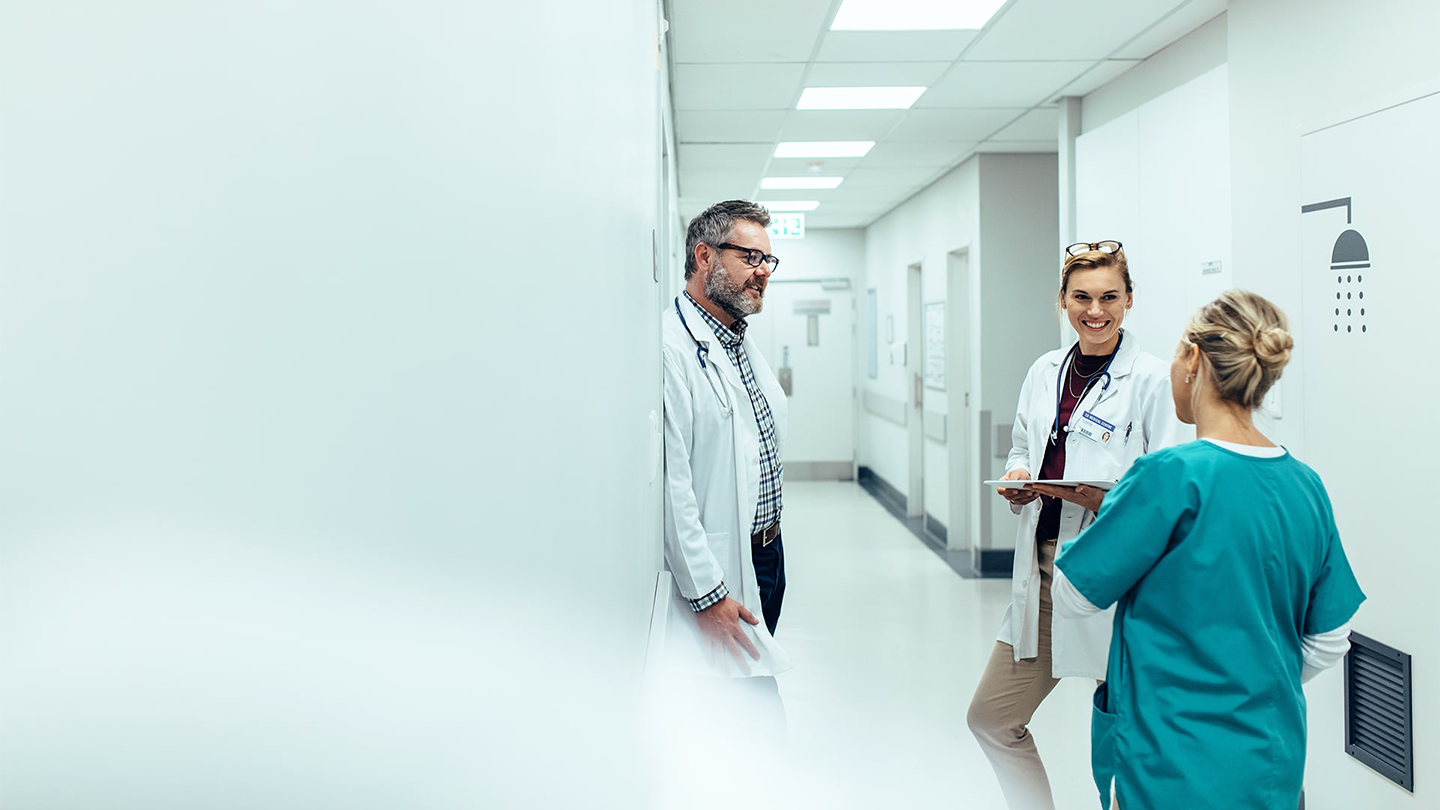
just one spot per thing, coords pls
(1378, 710)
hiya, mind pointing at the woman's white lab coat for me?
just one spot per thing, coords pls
(1138, 403)
(712, 486)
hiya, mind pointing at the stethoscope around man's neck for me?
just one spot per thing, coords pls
(702, 352)
(1060, 383)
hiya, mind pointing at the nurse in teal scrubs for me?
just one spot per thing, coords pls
(1231, 582)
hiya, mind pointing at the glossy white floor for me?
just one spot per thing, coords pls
(888, 644)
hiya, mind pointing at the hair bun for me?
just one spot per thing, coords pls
(1272, 347)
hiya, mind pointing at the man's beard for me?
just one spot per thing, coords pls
(728, 294)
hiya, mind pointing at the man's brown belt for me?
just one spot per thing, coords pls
(767, 536)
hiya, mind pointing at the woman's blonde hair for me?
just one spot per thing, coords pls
(1245, 339)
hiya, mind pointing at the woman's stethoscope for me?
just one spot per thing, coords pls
(1060, 384)
(701, 352)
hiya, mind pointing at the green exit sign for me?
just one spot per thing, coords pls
(787, 226)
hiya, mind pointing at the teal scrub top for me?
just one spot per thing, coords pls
(1220, 563)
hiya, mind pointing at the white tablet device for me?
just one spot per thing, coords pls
(1054, 482)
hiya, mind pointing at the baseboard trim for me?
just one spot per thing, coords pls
(888, 496)
(991, 564)
(819, 470)
(997, 563)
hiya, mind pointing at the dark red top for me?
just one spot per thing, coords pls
(1085, 368)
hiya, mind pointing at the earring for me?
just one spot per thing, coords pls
(1187, 379)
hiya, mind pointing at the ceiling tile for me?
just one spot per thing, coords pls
(1065, 29)
(1187, 18)
(921, 153)
(839, 125)
(752, 126)
(724, 155)
(889, 178)
(952, 125)
(746, 30)
(818, 222)
(737, 87)
(1097, 77)
(1036, 125)
(874, 74)
(1000, 84)
(717, 184)
(894, 46)
(1049, 146)
(797, 167)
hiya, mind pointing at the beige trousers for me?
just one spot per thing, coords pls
(1009, 693)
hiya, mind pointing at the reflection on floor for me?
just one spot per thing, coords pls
(888, 644)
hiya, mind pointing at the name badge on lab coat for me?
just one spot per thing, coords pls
(1094, 428)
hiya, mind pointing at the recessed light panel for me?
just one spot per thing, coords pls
(783, 206)
(822, 149)
(858, 98)
(914, 15)
(800, 182)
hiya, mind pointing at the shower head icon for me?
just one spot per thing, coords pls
(1351, 252)
(1348, 260)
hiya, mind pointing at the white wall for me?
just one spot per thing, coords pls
(1190, 57)
(924, 229)
(1011, 199)
(1017, 282)
(1293, 65)
(1158, 179)
(330, 369)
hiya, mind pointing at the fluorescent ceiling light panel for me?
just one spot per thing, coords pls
(858, 98)
(783, 206)
(800, 182)
(822, 149)
(914, 15)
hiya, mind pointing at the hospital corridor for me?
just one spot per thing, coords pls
(718, 405)
(896, 719)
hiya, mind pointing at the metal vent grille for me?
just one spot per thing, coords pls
(1378, 709)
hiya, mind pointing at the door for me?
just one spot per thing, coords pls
(915, 423)
(963, 486)
(805, 332)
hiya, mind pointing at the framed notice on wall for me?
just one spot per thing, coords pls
(935, 345)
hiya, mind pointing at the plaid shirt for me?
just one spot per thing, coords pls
(767, 511)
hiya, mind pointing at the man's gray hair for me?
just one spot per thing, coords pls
(713, 225)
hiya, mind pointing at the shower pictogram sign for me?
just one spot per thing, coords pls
(1349, 262)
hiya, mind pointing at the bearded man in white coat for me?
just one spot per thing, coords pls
(724, 429)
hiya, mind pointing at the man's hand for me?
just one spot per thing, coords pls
(1019, 497)
(1088, 497)
(721, 625)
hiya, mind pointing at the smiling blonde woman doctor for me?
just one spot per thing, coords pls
(1086, 412)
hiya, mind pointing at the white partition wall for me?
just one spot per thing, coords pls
(1368, 333)
(329, 401)
(1018, 275)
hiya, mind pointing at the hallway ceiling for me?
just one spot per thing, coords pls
(738, 69)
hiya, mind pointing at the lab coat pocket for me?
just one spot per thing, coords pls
(1102, 743)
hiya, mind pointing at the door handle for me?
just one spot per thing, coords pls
(919, 390)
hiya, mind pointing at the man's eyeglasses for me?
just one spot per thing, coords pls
(1108, 246)
(753, 257)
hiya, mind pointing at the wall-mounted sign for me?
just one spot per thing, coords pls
(787, 226)
(1209, 268)
(812, 306)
